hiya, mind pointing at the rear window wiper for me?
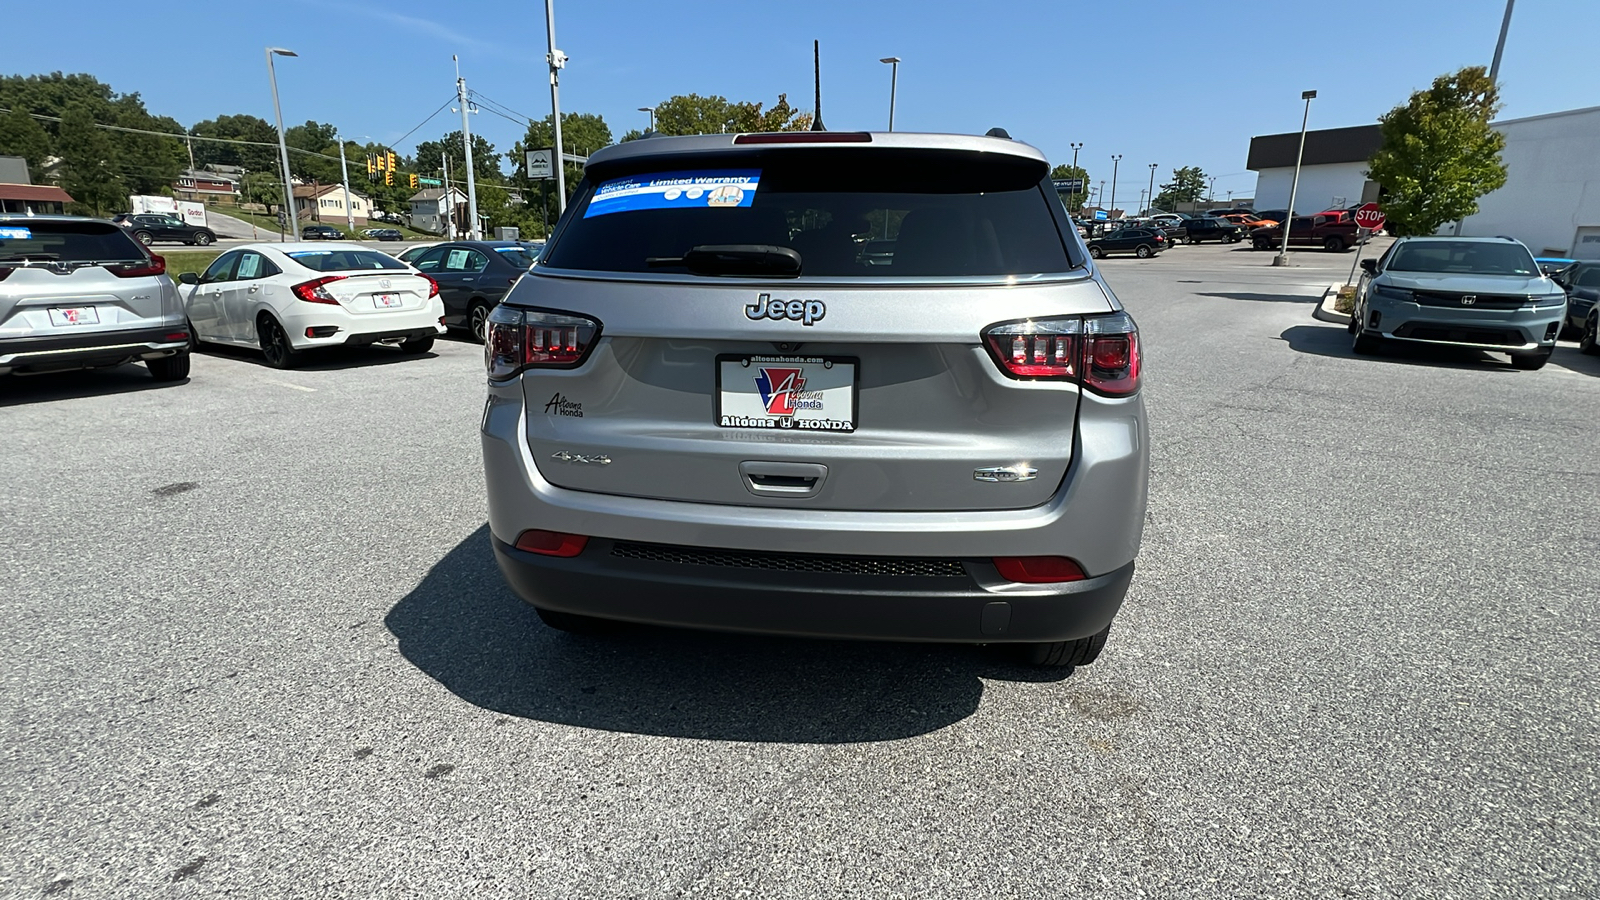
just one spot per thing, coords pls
(734, 259)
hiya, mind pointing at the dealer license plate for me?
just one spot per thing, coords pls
(74, 315)
(795, 393)
(385, 301)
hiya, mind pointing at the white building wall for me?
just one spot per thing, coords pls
(1551, 199)
(1333, 186)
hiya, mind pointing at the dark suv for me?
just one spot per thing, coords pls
(1207, 228)
(147, 228)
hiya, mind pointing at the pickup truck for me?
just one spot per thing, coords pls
(1328, 230)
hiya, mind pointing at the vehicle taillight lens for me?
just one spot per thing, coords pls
(5, 272)
(433, 287)
(523, 338)
(1038, 569)
(1099, 352)
(315, 291)
(156, 265)
(551, 543)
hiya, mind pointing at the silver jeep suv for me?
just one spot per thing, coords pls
(833, 384)
(79, 293)
(1486, 293)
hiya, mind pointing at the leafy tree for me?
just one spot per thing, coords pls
(694, 114)
(581, 135)
(89, 171)
(21, 135)
(236, 128)
(314, 138)
(1074, 202)
(1439, 154)
(485, 162)
(1188, 185)
(149, 164)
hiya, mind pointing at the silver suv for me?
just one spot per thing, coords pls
(1486, 293)
(80, 293)
(832, 384)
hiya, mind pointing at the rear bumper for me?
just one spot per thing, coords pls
(335, 326)
(90, 349)
(976, 608)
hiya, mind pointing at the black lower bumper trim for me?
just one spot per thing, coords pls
(814, 604)
(93, 340)
(407, 334)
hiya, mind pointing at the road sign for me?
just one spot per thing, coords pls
(1370, 217)
(425, 181)
(541, 164)
(1068, 185)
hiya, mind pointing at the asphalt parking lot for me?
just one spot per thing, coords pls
(255, 644)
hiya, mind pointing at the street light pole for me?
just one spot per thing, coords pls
(283, 146)
(894, 82)
(344, 172)
(1115, 162)
(1282, 259)
(557, 61)
(1085, 181)
(1153, 185)
(652, 111)
(1500, 45)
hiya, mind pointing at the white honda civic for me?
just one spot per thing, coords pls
(290, 298)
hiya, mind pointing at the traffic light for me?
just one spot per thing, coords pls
(372, 169)
(413, 178)
(391, 160)
(388, 176)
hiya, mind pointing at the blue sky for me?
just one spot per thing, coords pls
(1174, 83)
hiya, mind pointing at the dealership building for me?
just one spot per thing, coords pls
(1550, 201)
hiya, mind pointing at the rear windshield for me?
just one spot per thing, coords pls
(344, 260)
(1464, 258)
(517, 256)
(848, 213)
(66, 241)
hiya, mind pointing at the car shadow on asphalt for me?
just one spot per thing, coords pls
(1261, 298)
(16, 390)
(1334, 341)
(465, 628)
(322, 359)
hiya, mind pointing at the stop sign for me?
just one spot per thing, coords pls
(1369, 217)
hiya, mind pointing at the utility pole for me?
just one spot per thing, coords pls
(557, 61)
(1153, 184)
(894, 82)
(344, 172)
(1282, 259)
(1085, 180)
(190, 142)
(449, 199)
(1500, 45)
(1115, 162)
(473, 233)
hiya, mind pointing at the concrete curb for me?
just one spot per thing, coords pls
(1325, 311)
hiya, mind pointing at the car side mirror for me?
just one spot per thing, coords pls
(1369, 266)
(189, 278)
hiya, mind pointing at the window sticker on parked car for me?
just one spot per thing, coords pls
(707, 189)
(249, 266)
(458, 260)
(15, 234)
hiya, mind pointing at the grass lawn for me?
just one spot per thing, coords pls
(196, 261)
(270, 224)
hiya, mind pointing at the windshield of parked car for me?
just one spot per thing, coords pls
(846, 212)
(344, 260)
(517, 256)
(1464, 258)
(44, 241)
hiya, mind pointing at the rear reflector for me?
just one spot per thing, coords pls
(806, 137)
(1038, 569)
(551, 543)
(178, 336)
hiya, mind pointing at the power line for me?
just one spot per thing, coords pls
(427, 120)
(484, 97)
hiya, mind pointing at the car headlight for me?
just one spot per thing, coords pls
(1549, 301)
(1391, 293)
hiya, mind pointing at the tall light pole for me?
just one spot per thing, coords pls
(344, 173)
(283, 146)
(1153, 185)
(1115, 162)
(894, 83)
(1085, 181)
(1282, 259)
(557, 61)
(473, 233)
(1500, 45)
(652, 111)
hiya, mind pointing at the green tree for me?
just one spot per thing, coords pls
(1439, 154)
(320, 161)
(236, 128)
(694, 114)
(485, 161)
(581, 135)
(89, 170)
(1073, 202)
(1188, 185)
(21, 135)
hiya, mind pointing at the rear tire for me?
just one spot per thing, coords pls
(1366, 344)
(275, 344)
(417, 345)
(1590, 342)
(144, 237)
(1142, 251)
(1080, 652)
(169, 368)
(202, 239)
(1333, 245)
(1530, 361)
(573, 623)
(1097, 253)
(478, 317)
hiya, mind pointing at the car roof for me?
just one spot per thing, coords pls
(1440, 238)
(295, 246)
(712, 144)
(23, 217)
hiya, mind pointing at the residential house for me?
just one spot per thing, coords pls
(325, 203)
(432, 209)
(208, 185)
(19, 195)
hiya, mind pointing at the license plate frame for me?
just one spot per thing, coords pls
(387, 300)
(820, 383)
(73, 316)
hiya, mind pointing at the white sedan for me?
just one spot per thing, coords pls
(290, 298)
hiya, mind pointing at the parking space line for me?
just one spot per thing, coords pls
(297, 387)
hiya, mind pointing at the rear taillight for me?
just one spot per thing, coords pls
(551, 543)
(1099, 352)
(523, 338)
(155, 265)
(5, 272)
(315, 291)
(433, 287)
(1038, 569)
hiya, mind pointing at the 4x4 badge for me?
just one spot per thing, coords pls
(806, 312)
(567, 456)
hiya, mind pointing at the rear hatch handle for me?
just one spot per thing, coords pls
(782, 479)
